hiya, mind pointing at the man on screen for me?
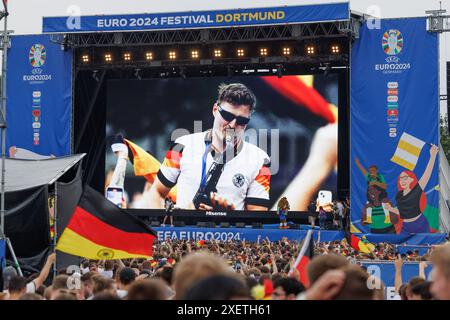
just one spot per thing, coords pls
(245, 181)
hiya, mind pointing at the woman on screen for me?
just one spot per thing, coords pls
(411, 198)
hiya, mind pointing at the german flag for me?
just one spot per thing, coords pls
(146, 165)
(99, 230)
(305, 256)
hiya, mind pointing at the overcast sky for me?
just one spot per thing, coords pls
(26, 15)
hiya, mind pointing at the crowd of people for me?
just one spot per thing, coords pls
(233, 270)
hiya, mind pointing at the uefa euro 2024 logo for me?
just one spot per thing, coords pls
(37, 55)
(392, 42)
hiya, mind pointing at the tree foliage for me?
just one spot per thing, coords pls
(445, 135)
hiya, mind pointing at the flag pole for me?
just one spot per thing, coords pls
(4, 47)
(55, 227)
(302, 251)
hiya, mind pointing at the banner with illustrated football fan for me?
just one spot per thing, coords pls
(394, 129)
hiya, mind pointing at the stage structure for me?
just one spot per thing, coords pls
(296, 44)
(377, 70)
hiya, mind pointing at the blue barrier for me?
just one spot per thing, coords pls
(248, 234)
(403, 249)
(275, 234)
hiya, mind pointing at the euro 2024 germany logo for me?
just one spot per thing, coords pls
(392, 42)
(37, 55)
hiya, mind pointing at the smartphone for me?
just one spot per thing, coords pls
(115, 195)
(324, 197)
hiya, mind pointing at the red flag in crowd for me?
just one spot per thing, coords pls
(304, 257)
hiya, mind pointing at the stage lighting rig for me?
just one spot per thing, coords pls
(310, 50)
(286, 51)
(172, 55)
(127, 56)
(335, 49)
(195, 54)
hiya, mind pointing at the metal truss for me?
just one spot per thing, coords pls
(239, 64)
(437, 21)
(204, 36)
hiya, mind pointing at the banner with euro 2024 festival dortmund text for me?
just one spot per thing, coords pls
(394, 129)
(39, 96)
(322, 12)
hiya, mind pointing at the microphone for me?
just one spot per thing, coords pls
(229, 145)
(214, 173)
(229, 138)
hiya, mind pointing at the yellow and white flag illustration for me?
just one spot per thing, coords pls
(408, 151)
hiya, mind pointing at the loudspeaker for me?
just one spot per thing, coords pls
(224, 224)
(240, 224)
(179, 224)
(155, 223)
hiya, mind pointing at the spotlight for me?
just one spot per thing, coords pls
(85, 58)
(286, 51)
(240, 52)
(127, 56)
(172, 55)
(263, 52)
(108, 57)
(335, 49)
(217, 53)
(149, 55)
(194, 54)
(310, 50)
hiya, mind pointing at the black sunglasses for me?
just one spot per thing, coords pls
(228, 116)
